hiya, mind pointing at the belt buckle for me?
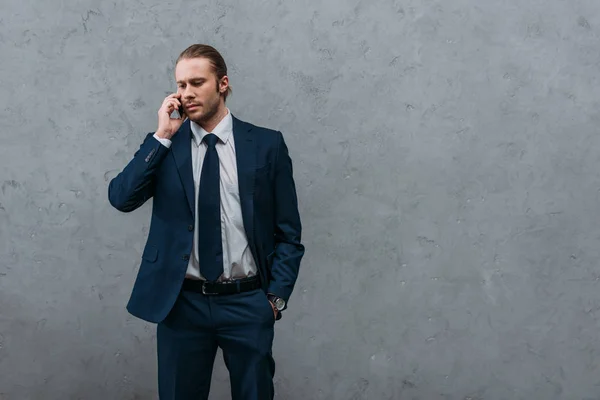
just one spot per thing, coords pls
(204, 292)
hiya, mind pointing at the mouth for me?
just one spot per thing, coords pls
(191, 107)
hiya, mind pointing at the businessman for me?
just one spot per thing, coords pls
(224, 247)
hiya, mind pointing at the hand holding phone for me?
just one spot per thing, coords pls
(167, 125)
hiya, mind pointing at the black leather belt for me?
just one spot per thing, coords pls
(220, 288)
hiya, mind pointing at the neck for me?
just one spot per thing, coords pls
(214, 120)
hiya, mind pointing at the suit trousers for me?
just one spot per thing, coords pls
(241, 324)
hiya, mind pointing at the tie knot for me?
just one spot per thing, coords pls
(211, 139)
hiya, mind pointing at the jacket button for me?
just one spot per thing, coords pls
(190, 228)
(185, 257)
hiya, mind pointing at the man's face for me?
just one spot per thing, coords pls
(200, 93)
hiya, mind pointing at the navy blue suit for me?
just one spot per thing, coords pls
(271, 222)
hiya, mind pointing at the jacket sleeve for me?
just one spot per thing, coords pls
(288, 228)
(135, 184)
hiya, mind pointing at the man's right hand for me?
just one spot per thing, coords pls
(167, 126)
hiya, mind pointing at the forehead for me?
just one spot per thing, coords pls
(193, 68)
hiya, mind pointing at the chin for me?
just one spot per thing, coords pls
(195, 115)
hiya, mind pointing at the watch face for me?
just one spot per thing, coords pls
(277, 301)
(280, 304)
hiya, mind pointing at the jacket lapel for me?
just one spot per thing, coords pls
(181, 148)
(245, 151)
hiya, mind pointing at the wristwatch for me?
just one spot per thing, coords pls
(277, 301)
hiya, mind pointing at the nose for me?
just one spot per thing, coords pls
(186, 93)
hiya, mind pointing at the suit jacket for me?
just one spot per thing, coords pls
(269, 212)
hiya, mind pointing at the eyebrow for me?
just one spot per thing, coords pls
(193, 80)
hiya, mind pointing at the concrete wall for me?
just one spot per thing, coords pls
(446, 157)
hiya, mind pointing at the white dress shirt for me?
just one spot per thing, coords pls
(237, 258)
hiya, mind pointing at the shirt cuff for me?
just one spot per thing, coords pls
(163, 141)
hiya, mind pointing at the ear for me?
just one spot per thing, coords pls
(223, 84)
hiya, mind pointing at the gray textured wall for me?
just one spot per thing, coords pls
(446, 157)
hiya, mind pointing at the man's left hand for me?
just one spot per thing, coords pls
(275, 311)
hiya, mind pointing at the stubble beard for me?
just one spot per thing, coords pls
(207, 115)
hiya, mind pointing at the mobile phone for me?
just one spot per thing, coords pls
(181, 112)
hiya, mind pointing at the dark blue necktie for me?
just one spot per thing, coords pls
(210, 250)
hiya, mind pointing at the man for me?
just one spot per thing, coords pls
(223, 251)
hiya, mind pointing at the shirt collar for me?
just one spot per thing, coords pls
(223, 130)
